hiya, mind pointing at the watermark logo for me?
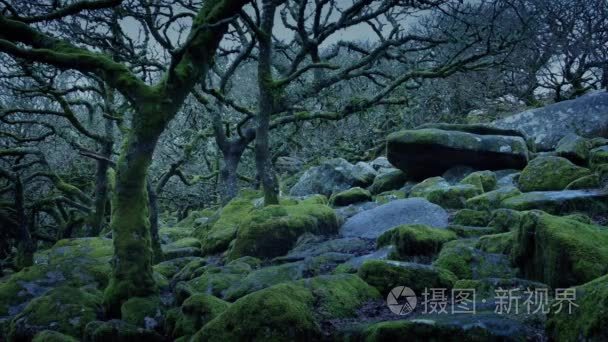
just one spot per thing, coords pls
(401, 300)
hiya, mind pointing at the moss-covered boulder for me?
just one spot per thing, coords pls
(421, 330)
(221, 230)
(587, 320)
(560, 202)
(70, 262)
(465, 260)
(194, 313)
(119, 331)
(470, 231)
(273, 230)
(437, 190)
(384, 275)
(591, 181)
(146, 312)
(598, 156)
(289, 311)
(469, 217)
(387, 181)
(550, 173)
(415, 239)
(429, 152)
(574, 148)
(485, 180)
(491, 200)
(53, 336)
(332, 176)
(63, 309)
(214, 280)
(265, 277)
(559, 251)
(497, 243)
(350, 196)
(171, 267)
(504, 220)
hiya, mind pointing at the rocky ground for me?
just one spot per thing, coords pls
(451, 208)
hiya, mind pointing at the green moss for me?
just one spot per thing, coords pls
(388, 196)
(70, 262)
(484, 180)
(171, 234)
(580, 218)
(558, 251)
(440, 192)
(491, 200)
(469, 217)
(289, 311)
(142, 311)
(171, 267)
(469, 231)
(191, 221)
(560, 202)
(119, 331)
(64, 309)
(550, 173)
(312, 199)
(496, 243)
(574, 148)
(216, 236)
(591, 181)
(350, 196)
(456, 256)
(184, 242)
(195, 312)
(504, 220)
(280, 313)
(466, 261)
(273, 230)
(587, 321)
(212, 281)
(132, 273)
(415, 239)
(52, 336)
(598, 157)
(418, 330)
(391, 180)
(339, 296)
(263, 278)
(384, 275)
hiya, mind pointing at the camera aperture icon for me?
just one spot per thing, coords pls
(401, 300)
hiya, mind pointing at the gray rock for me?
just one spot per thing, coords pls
(381, 163)
(354, 209)
(427, 152)
(586, 116)
(372, 223)
(312, 246)
(331, 176)
(560, 202)
(457, 173)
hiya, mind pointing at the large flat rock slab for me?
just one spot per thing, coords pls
(586, 116)
(559, 202)
(372, 223)
(427, 152)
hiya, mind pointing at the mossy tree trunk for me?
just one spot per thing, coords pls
(268, 102)
(25, 247)
(157, 252)
(101, 185)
